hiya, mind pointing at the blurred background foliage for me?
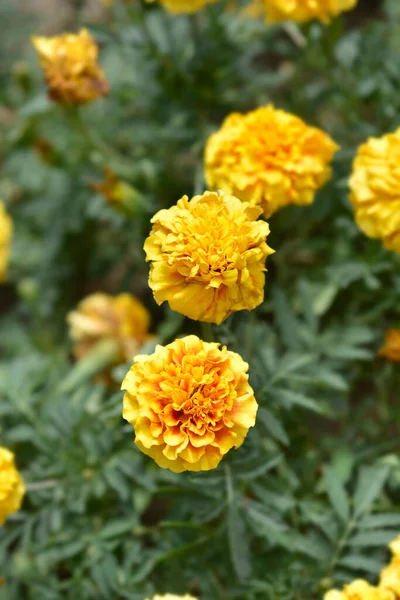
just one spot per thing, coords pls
(312, 497)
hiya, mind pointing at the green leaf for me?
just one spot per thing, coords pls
(374, 539)
(370, 483)
(337, 494)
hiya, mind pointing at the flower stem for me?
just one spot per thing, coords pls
(207, 333)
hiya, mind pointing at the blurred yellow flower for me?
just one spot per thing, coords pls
(208, 256)
(70, 67)
(190, 403)
(305, 10)
(12, 487)
(172, 597)
(390, 577)
(395, 544)
(6, 230)
(374, 185)
(184, 6)
(391, 350)
(268, 157)
(359, 590)
(103, 317)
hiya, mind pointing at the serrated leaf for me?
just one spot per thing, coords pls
(370, 483)
(337, 494)
(373, 539)
(273, 425)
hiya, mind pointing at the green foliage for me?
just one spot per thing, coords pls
(312, 497)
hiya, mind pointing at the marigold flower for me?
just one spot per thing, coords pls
(6, 230)
(390, 577)
(172, 597)
(190, 403)
(268, 157)
(100, 316)
(12, 488)
(70, 67)
(395, 544)
(391, 350)
(208, 256)
(374, 186)
(184, 6)
(305, 10)
(359, 590)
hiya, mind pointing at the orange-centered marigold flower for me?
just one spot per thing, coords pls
(359, 590)
(391, 348)
(268, 157)
(208, 256)
(101, 317)
(305, 10)
(6, 229)
(375, 185)
(70, 67)
(190, 403)
(12, 488)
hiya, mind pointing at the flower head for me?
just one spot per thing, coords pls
(208, 256)
(305, 10)
(359, 590)
(390, 577)
(374, 185)
(70, 67)
(190, 403)
(118, 194)
(395, 544)
(391, 350)
(100, 317)
(268, 157)
(184, 6)
(6, 229)
(12, 488)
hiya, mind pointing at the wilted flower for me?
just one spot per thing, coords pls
(100, 317)
(305, 10)
(268, 157)
(6, 230)
(391, 350)
(118, 194)
(374, 186)
(208, 256)
(70, 67)
(12, 488)
(190, 403)
(359, 590)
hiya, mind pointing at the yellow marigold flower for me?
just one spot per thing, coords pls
(208, 256)
(395, 544)
(268, 157)
(190, 403)
(391, 350)
(12, 488)
(359, 590)
(101, 317)
(305, 10)
(374, 186)
(172, 597)
(6, 230)
(390, 577)
(70, 67)
(184, 6)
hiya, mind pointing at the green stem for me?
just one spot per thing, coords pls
(207, 333)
